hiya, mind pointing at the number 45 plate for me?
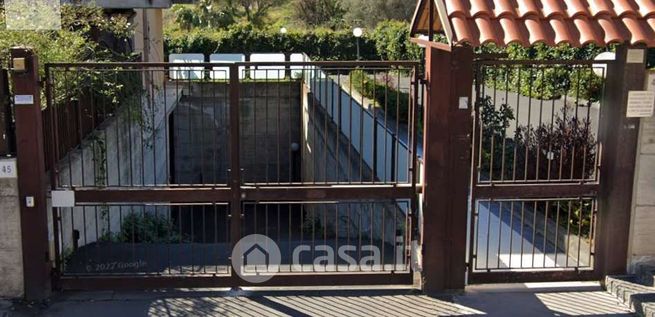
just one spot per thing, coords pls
(8, 168)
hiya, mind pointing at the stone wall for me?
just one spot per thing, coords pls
(11, 256)
(642, 229)
(642, 233)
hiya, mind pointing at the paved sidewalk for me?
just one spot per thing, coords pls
(582, 299)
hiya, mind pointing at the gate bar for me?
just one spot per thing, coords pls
(236, 214)
(224, 194)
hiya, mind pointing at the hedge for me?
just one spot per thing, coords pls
(389, 41)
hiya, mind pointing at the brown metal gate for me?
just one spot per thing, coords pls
(536, 168)
(160, 168)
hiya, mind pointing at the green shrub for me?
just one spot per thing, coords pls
(548, 82)
(391, 42)
(146, 228)
(568, 144)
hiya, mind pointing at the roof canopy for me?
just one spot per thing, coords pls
(576, 22)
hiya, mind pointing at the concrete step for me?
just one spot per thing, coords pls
(640, 298)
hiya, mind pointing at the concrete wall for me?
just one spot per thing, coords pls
(642, 231)
(269, 121)
(642, 247)
(122, 151)
(369, 140)
(11, 255)
(149, 34)
(331, 153)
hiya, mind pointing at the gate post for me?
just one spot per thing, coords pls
(31, 173)
(619, 136)
(447, 155)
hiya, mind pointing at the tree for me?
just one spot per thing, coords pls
(205, 14)
(223, 13)
(74, 41)
(370, 12)
(319, 12)
(254, 11)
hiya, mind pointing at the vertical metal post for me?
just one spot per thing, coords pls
(31, 175)
(431, 21)
(447, 157)
(359, 57)
(619, 138)
(235, 164)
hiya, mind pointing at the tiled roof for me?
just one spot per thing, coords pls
(577, 22)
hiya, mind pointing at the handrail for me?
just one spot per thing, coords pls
(210, 64)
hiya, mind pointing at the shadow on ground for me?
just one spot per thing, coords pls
(591, 301)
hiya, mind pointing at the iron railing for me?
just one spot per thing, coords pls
(536, 166)
(171, 164)
(111, 125)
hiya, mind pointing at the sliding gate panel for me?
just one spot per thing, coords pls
(158, 170)
(536, 170)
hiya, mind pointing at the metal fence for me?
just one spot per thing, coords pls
(536, 167)
(171, 164)
(132, 125)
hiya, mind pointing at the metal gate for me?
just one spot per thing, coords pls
(536, 168)
(159, 169)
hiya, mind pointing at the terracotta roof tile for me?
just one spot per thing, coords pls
(598, 7)
(528, 7)
(552, 7)
(646, 7)
(577, 22)
(504, 7)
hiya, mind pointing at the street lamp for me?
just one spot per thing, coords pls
(358, 32)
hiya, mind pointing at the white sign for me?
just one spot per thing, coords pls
(24, 100)
(463, 103)
(635, 56)
(63, 198)
(8, 168)
(640, 104)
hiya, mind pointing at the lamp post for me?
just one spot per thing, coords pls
(283, 32)
(358, 32)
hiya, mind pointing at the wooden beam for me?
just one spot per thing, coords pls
(619, 137)
(31, 177)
